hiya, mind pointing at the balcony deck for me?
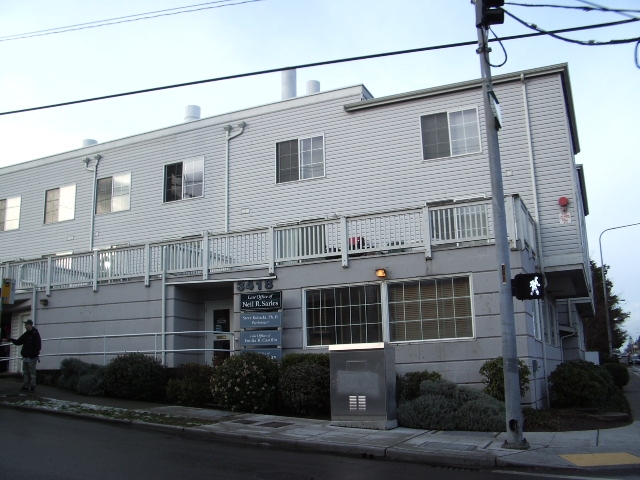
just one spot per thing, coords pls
(446, 224)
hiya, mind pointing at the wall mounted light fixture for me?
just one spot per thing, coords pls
(381, 273)
(44, 302)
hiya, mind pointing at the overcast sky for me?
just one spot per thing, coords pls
(240, 36)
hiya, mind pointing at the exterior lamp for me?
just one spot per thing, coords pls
(381, 273)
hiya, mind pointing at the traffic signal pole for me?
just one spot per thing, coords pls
(514, 417)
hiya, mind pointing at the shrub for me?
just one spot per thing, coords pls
(72, 369)
(92, 384)
(192, 385)
(429, 412)
(493, 373)
(304, 389)
(408, 385)
(290, 359)
(246, 383)
(484, 414)
(619, 372)
(135, 376)
(580, 384)
(442, 405)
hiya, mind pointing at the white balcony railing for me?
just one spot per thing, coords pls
(446, 224)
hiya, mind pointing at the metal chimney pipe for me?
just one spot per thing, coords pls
(191, 113)
(313, 86)
(87, 142)
(288, 84)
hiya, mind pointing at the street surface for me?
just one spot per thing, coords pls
(37, 446)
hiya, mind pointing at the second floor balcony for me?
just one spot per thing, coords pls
(436, 226)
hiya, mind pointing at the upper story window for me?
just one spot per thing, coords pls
(449, 134)
(184, 180)
(60, 204)
(10, 213)
(114, 193)
(300, 159)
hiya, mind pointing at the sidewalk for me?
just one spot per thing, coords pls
(617, 447)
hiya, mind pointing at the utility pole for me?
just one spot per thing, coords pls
(488, 12)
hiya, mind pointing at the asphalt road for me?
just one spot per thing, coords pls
(37, 446)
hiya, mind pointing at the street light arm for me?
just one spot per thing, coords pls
(604, 283)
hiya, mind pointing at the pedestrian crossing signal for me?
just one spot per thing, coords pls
(528, 286)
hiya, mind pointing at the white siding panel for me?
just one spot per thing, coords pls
(373, 162)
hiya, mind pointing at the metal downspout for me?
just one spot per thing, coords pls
(534, 186)
(163, 306)
(94, 194)
(227, 129)
(34, 293)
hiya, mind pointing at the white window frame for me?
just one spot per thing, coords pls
(469, 150)
(306, 170)
(185, 185)
(65, 204)
(10, 220)
(328, 287)
(435, 278)
(119, 198)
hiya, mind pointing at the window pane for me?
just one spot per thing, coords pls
(430, 309)
(121, 192)
(287, 169)
(447, 134)
(3, 213)
(435, 136)
(52, 201)
(312, 157)
(350, 315)
(10, 213)
(67, 203)
(193, 178)
(173, 182)
(103, 200)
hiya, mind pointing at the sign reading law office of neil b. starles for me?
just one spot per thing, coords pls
(261, 301)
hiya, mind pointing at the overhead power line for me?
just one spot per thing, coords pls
(591, 8)
(129, 18)
(315, 64)
(571, 40)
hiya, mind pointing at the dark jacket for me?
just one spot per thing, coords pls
(31, 343)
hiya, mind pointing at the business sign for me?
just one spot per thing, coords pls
(260, 337)
(261, 301)
(261, 320)
(273, 353)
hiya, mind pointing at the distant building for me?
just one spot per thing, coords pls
(166, 232)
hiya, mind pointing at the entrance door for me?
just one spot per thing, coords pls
(218, 319)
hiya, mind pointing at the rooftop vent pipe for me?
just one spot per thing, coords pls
(191, 113)
(87, 142)
(288, 84)
(313, 86)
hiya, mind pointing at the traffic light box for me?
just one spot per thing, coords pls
(489, 12)
(528, 286)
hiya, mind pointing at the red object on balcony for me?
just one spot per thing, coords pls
(356, 242)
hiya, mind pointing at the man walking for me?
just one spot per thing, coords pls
(31, 344)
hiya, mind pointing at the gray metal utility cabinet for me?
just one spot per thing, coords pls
(363, 385)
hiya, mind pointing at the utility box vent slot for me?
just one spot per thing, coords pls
(357, 403)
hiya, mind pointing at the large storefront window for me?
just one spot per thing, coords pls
(340, 315)
(432, 309)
